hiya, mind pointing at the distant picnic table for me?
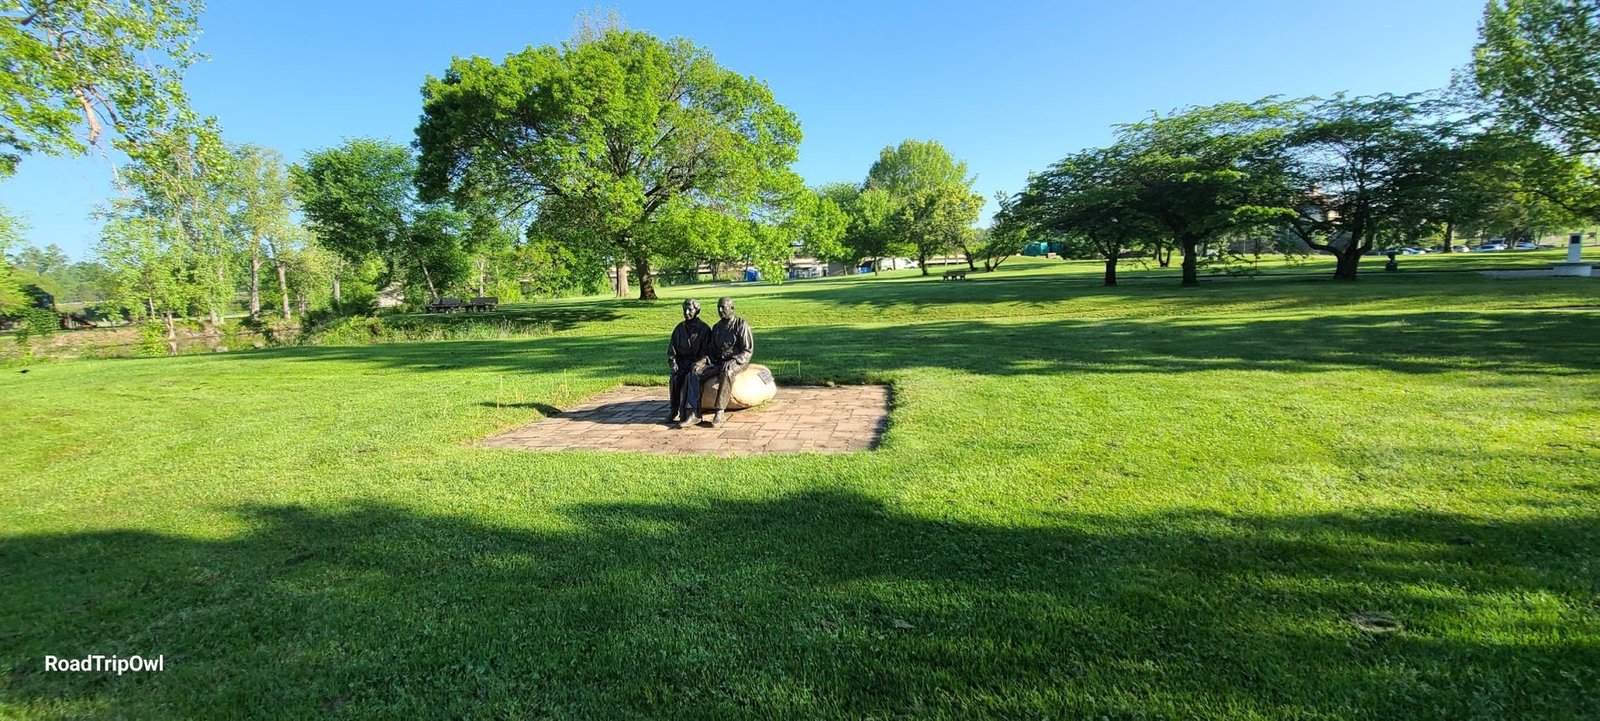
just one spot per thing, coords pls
(450, 305)
(955, 275)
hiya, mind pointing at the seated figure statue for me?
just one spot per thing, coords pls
(727, 354)
(687, 348)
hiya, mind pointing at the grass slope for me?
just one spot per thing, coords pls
(1125, 503)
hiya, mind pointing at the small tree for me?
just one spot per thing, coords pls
(1006, 235)
(1089, 200)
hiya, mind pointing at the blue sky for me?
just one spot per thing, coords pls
(1008, 87)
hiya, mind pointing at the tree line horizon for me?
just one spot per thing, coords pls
(617, 148)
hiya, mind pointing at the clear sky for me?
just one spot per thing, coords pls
(1008, 87)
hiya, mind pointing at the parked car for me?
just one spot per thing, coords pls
(1526, 245)
(1414, 251)
(1460, 249)
(1489, 247)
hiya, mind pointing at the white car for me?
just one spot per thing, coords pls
(1526, 245)
(1414, 251)
(1489, 247)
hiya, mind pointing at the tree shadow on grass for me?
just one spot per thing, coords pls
(821, 604)
(1549, 343)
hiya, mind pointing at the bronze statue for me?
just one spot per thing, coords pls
(684, 351)
(727, 353)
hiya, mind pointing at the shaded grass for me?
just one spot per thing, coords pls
(1141, 502)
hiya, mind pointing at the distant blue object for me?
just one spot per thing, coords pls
(751, 275)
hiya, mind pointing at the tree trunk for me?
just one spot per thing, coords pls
(255, 280)
(922, 260)
(172, 333)
(1111, 269)
(620, 282)
(875, 262)
(1449, 237)
(1191, 261)
(428, 277)
(483, 273)
(1163, 256)
(338, 297)
(1345, 267)
(283, 286)
(647, 285)
(222, 282)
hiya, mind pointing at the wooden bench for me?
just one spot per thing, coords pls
(955, 275)
(446, 305)
(484, 303)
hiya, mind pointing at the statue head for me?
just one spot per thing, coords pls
(691, 309)
(725, 308)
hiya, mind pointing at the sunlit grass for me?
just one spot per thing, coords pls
(1146, 501)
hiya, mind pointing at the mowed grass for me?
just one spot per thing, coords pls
(1137, 502)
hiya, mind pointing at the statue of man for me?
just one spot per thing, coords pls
(727, 353)
(687, 347)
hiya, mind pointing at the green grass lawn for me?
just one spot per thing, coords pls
(1137, 502)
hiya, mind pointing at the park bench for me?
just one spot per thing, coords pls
(955, 275)
(484, 303)
(446, 305)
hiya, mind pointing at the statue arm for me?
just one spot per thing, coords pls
(672, 355)
(747, 345)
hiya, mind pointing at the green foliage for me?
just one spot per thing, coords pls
(367, 330)
(930, 196)
(152, 339)
(11, 295)
(73, 63)
(357, 197)
(34, 322)
(1539, 62)
(1205, 173)
(1091, 202)
(602, 135)
(1362, 171)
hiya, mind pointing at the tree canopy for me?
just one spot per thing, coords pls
(102, 66)
(1539, 61)
(932, 206)
(1206, 172)
(608, 131)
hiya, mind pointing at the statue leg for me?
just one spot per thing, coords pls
(693, 381)
(675, 390)
(725, 389)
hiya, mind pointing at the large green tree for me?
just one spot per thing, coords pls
(1363, 171)
(360, 202)
(107, 67)
(1206, 173)
(1089, 200)
(930, 192)
(606, 132)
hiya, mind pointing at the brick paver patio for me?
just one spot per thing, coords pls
(630, 418)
